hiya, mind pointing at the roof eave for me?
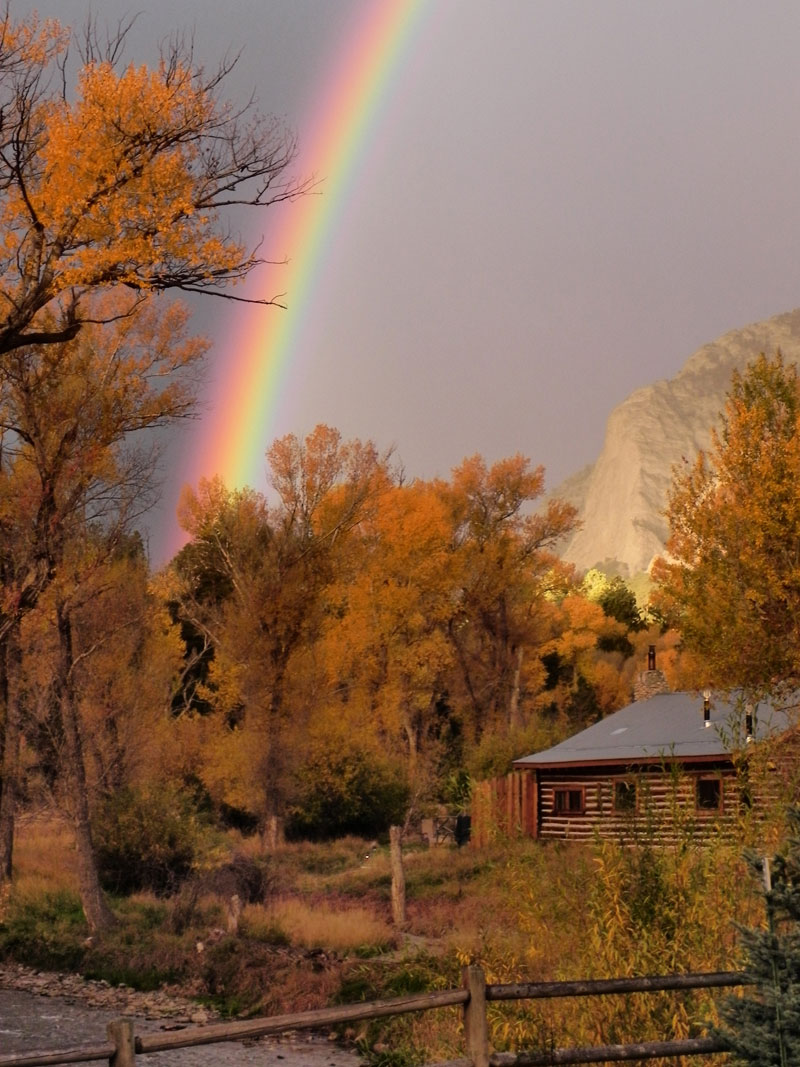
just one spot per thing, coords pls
(625, 761)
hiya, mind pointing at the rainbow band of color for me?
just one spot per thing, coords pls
(333, 144)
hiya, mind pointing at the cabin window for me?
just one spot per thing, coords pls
(569, 801)
(624, 795)
(708, 794)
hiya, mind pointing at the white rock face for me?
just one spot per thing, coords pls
(621, 499)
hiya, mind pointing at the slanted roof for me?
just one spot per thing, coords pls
(667, 726)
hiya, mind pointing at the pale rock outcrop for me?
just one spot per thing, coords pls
(621, 499)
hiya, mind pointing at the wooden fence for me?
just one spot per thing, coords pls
(506, 805)
(122, 1045)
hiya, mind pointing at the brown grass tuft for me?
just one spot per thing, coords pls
(306, 924)
(44, 854)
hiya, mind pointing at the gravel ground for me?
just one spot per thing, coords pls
(40, 1010)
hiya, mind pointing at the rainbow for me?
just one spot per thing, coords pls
(334, 140)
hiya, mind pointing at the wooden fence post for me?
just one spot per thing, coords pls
(398, 875)
(121, 1033)
(476, 1026)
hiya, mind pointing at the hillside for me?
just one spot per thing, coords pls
(622, 496)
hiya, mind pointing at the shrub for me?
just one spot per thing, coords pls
(346, 791)
(249, 878)
(763, 1025)
(148, 837)
(43, 928)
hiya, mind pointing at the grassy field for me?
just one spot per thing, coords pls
(321, 932)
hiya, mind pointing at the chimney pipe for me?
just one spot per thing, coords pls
(651, 658)
(706, 707)
(748, 722)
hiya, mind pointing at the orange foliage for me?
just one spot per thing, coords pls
(124, 184)
(731, 580)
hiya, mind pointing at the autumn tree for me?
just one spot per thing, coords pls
(385, 642)
(128, 655)
(584, 663)
(731, 579)
(123, 181)
(508, 569)
(253, 579)
(71, 483)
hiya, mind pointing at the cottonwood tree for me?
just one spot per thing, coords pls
(254, 578)
(384, 641)
(584, 665)
(72, 483)
(125, 180)
(730, 582)
(508, 569)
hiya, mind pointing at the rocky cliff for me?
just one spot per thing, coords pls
(621, 498)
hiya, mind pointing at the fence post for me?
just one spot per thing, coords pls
(476, 1027)
(121, 1033)
(398, 875)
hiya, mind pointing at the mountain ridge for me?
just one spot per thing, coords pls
(621, 497)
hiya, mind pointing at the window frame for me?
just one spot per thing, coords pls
(568, 791)
(708, 808)
(620, 785)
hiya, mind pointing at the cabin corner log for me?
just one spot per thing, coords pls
(646, 1050)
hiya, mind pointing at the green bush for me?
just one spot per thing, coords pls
(148, 838)
(46, 930)
(346, 791)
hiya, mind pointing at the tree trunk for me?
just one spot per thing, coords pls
(398, 875)
(274, 763)
(273, 836)
(513, 704)
(98, 914)
(10, 658)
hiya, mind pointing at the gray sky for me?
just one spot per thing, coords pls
(563, 200)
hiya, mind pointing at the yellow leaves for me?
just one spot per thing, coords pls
(731, 580)
(32, 42)
(108, 382)
(199, 509)
(120, 180)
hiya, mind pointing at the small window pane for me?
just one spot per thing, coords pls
(568, 800)
(709, 794)
(624, 796)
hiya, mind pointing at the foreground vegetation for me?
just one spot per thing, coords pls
(318, 931)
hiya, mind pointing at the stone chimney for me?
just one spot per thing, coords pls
(650, 682)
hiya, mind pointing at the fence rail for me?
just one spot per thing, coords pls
(123, 1045)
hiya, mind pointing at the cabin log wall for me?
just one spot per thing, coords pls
(665, 803)
(523, 803)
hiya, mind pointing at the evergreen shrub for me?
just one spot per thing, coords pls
(763, 1025)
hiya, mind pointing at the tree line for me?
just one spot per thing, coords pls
(352, 646)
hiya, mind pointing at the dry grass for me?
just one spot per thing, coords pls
(44, 855)
(524, 910)
(306, 924)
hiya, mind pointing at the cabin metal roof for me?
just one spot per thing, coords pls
(668, 726)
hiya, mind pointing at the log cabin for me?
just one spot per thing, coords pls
(672, 758)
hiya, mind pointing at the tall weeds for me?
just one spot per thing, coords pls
(667, 901)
